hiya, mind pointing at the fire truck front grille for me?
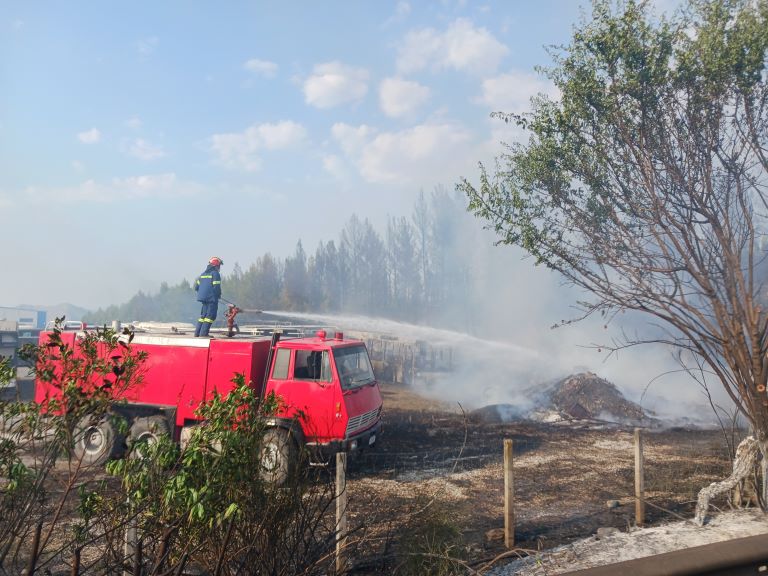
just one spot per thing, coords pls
(362, 421)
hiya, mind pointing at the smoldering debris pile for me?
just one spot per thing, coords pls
(576, 398)
(587, 396)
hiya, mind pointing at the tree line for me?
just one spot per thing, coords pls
(420, 268)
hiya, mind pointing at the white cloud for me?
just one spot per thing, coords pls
(147, 46)
(134, 123)
(281, 135)
(462, 46)
(423, 150)
(78, 166)
(262, 67)
(426, 154)
(334, 83)
(144, 150)
(351, 139)
(402, 11)
(454, 5)
(512, 92)
(242, 150)
(399, 97)
(149, 186)
(335, 166)
(91, 136)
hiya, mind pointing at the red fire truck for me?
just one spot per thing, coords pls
(327, 380)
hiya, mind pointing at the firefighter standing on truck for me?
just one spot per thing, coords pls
(208, 288)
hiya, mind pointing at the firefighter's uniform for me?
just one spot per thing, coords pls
(208, 287)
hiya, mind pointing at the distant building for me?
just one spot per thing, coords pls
(24, 317)
(9, 339)
(19, 326)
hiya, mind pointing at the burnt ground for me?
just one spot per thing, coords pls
(436, 455)
(435, 460)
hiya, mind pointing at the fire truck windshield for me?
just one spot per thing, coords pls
(353, 366)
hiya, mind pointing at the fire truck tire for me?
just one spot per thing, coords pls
(279, 456)
(96, 441)
(144, 431)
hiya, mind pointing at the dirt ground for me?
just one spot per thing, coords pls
(438, 457)
(570, 478)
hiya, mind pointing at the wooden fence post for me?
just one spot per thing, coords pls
(32, 564)
(76, 562)
(130, 547)
(509, 496)
(639, 479)
(138, 559)
(341, 511)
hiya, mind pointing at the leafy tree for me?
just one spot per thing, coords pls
(352, 243)
(206, 504)
(450, 262)
(393, 270)
(176, 304)
(325, 278)
(234, 284)
(374, 272)
(295, 285)
(6, 370)
(81, 381)
(442, 235)
(344, 268)
(171, 303)
(403, 272)
(421, 225)
(645, 182)
(237, 273)
(261, 285)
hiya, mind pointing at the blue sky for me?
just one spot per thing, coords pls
(138, 139)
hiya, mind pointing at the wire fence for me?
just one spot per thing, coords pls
(678, 470)
(568, 481)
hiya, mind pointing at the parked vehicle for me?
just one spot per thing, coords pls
(331, 400)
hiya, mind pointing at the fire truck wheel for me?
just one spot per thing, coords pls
(96, 441)
(146, 430)
(278, 456)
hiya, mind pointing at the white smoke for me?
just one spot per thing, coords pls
(503, 371)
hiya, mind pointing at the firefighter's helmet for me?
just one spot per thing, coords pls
(215, 261)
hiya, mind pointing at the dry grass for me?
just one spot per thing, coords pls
(563, 475)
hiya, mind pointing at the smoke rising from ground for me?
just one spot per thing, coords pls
(504, 370)
(518, 303)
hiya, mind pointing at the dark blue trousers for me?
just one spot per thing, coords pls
(207, 316)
